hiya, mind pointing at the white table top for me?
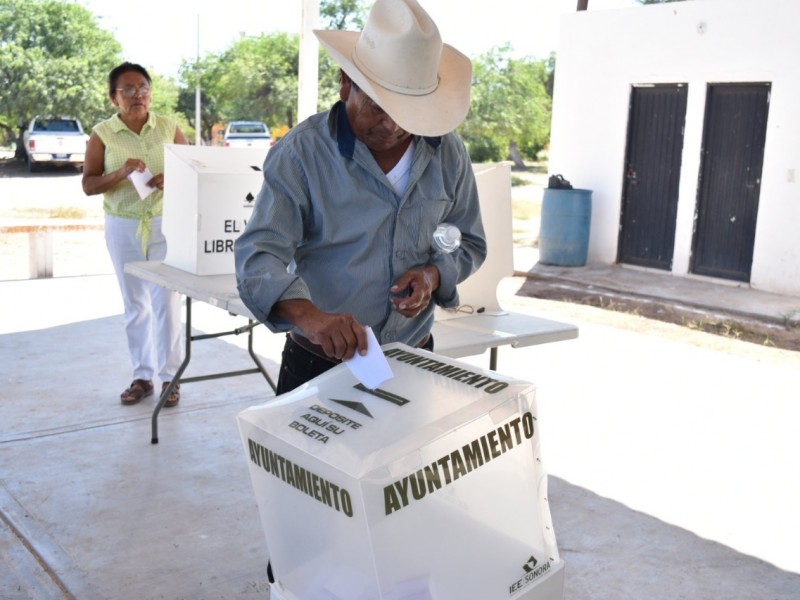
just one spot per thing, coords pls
(473, 334)
(216, 290)
(466, 335)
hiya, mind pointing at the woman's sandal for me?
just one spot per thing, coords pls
(139, 388)
(174, 396)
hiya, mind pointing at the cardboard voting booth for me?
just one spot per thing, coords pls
(479, 290)
(207, 201)
(430, 487)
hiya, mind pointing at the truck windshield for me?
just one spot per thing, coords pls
(60, 125)
(248, 128)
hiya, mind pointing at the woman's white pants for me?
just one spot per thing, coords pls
(152, 313)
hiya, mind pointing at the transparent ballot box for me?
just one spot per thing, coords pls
(431, 486)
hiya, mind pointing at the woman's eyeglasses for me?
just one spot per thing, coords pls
(130, 91)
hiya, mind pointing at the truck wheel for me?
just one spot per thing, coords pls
(32, 166)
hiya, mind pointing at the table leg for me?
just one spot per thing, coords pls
(175, 380)
(259, 368)
(255, 358)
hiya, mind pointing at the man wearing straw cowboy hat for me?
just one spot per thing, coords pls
(341, 234)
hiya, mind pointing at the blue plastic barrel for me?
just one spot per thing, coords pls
(564, 229)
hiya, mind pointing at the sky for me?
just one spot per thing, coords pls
(159, 34)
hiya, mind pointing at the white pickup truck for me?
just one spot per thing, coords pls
(54, 140)
(247, 134)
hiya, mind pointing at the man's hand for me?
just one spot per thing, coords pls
(339, 335)
(411, 294)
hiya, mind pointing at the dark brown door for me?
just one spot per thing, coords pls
(652, 174)
(730, 180)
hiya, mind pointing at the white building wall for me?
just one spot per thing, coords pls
(601, 54)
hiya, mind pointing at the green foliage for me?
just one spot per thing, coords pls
(254, 79)
(55, 60)
(328, 92)
(483, 147)
(190, 75)
(166, 101)
(510, 104)
(343, 14)
(165, 95)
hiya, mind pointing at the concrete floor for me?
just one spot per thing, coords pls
(646, 470)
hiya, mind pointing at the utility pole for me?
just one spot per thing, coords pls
(198, 138)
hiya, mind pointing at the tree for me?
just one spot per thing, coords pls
(190, 74)
(166, 101)
(328, 92)
(343, 14)
(56, 60)
(510, 109)
(255, 79)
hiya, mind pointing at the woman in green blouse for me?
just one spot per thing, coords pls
(133, 140)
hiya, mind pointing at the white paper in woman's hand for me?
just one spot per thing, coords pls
(139, 180)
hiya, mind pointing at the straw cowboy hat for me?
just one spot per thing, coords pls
(400, 62)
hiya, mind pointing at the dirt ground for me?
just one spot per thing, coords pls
(57, 193)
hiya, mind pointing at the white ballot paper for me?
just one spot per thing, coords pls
(139, 180)
(372, 369)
